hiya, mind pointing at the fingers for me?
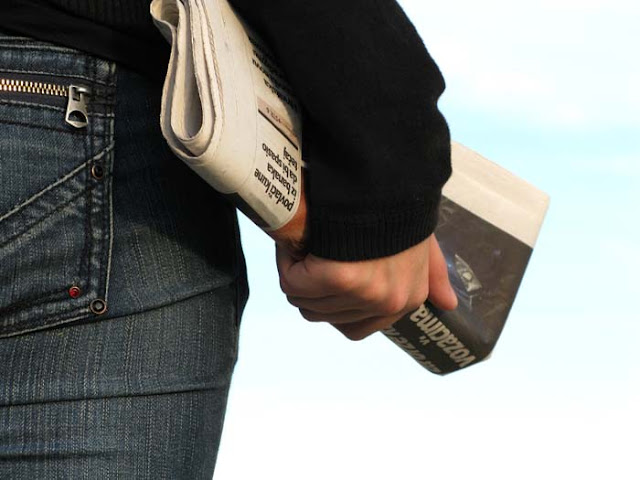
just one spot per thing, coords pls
(441, 293)
(329, 304)
(337, 318)
(294, 280)
(361, 330)
(313, 277)
(284, 260)
(360, 298)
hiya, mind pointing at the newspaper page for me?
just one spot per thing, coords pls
(227, 110)
(488, 225)
(273, 192)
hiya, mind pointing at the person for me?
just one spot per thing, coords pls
(122, 278)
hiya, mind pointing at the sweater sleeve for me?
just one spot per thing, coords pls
(377, 145)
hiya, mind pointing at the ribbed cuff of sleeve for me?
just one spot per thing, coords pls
(366, 235)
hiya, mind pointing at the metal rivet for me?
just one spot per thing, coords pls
(97, 171)
(74, 291)
(98, 306)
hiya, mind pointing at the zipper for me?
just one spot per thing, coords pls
(76, 95)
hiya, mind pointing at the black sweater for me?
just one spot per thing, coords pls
(377, 144)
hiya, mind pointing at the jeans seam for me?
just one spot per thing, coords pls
(62, 318)
(34, 301)
(89, 189)
(109, 187)
(177, 301)
(16, 208)
(184, 388)
(41, 219)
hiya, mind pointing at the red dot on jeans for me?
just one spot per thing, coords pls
(74, 292)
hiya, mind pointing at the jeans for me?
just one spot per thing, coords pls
(122, 281)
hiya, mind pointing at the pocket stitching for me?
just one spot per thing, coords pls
(42, 219)
(56, 296)
(32, 302)
(16, 208)
(44, 310)
(72, 315)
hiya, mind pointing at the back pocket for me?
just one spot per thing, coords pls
(56, 149)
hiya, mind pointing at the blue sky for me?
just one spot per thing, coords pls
(551, 91)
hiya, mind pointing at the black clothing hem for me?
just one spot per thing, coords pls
(355, 236)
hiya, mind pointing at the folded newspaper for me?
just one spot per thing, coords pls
(229, 113)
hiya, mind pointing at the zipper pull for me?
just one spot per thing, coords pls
(77, 106)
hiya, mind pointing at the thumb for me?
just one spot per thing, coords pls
(441, 292)
(295, 278)
(284, 260)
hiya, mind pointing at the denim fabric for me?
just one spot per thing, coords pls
(121, 289)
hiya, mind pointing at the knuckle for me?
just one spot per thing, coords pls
(417, 298)
(394, 303)
(374, 293)
(343, 279)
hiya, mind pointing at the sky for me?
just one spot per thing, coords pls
(550, 90)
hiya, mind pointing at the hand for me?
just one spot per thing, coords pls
(360, 298)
